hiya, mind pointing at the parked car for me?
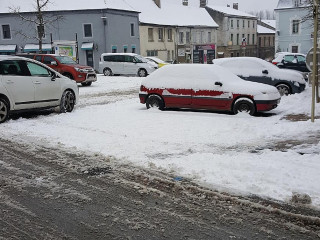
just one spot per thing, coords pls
(294, 61)
(258, 70)
(125, 64)
(209, 87)
(157, 61)
(66, 66)
(26, 84)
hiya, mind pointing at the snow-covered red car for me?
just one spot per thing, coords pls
(209, 87)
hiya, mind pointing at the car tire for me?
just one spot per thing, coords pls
(4, 110)
(283, 89)
(142, 73)
(107, 72)
(86, 84)
(67, 101)
(244, 105)
(68, 75)
(155, 101)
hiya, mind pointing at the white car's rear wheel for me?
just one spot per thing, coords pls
(67, 101)
(142, 73)
(4, 110)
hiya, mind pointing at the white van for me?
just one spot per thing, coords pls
(126, 64)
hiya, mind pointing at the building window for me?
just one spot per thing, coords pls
(231, 23)
(152, 53)
(295, 26)
(248, 23)
(238, 24)
(253, 39)
(253, 24)
(125, 49)
(209, 37)
(87, 28)
(132, 30)
(6, 33)
(150, 34)
(260, 39)
(231, 38)
(169, 34)
(114, 49)
(133, 49)
(160, 34)
(188, 37)
(294, 49)
(201, 37)
(238, 39)
(181, 37)
(248, 39)
(243, 24)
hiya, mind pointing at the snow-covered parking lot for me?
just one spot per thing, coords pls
(235, 153)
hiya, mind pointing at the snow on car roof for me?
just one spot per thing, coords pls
(202, 77)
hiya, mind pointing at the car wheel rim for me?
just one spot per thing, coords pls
(244, 108)
(107, 72)
(69, 102)
(154, 104)
(3, 111)
(142, 73)
(283, 90)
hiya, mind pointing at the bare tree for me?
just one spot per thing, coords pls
(38, 18)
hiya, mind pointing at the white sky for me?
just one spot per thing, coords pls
(248, 5)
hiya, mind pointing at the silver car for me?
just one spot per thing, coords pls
(257, 70)
(26, 84)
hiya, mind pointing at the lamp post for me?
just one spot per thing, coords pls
(315, 60)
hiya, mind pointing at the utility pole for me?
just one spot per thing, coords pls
(315, 60)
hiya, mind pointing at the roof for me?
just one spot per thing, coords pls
(283, 4)
(264, 30)
(271, 23)
(61, 5)
(230, 11)
(172, 13)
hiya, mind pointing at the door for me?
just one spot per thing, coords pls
(212, 98)
(177, 97)
(89, 56)
(129, 66)
(18, 83)
(47, 89)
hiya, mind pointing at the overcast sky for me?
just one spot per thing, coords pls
(248, 5)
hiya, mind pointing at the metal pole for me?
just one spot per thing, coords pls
(315, 60)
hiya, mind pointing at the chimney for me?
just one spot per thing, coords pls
(185, 2)
(203, 3)
(236, 6)
(158, 3)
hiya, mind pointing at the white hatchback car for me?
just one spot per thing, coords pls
(26, 84)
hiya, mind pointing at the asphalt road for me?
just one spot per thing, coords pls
(50, 193)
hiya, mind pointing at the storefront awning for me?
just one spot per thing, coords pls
(8, 48)
(35, 47)
(87, 46)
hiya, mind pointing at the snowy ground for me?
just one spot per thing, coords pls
(234, 153)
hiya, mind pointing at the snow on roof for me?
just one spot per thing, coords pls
(230, 11)
(264, 30)
(172, 12)
(271, 23)
(60, 5)
(291, 4)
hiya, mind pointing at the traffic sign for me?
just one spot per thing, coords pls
(309, 59)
